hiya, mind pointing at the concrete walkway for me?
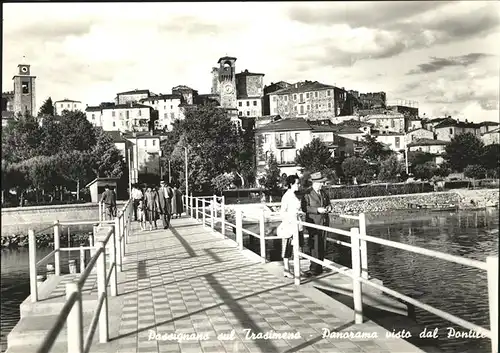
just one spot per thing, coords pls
(188, 281)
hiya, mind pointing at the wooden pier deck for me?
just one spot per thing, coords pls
(189, 280)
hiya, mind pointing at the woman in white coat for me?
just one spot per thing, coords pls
(291, 211)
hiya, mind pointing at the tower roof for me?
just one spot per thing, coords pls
(224, 58)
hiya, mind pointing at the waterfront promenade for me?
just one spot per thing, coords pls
(190, 280)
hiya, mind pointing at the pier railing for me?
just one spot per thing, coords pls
(72, 312)
(359, 260)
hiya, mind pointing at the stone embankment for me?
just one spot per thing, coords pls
(478, 198)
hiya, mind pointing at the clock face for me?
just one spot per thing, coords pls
(228, 88)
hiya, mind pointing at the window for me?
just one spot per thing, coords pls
(248, 113)
(154, 142)
(139, 112)
(93, 116)
(396, 142)
(317, 106)
(127, 114)
(316, 94)
(25, 87)
(254, 103)
(307, 95)
(282, 156)
(296, 136)
(301, 109)
(171, 107)
(294, 97)
(308, 108)
(121, 114)
(165, 107)
(266, 138)
(240, 104)
(240, 113)
(172, 116)
(113, 113)
(301, 97)
(295, 108)
(451, 131)
(165, 115)
(393, 123)
(282, 138)
(328, 93)
(286, 98)
(275, 98)
(145, 142)
(248, 103)
(329, 104)
(114, 124)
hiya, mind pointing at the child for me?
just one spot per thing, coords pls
(141, 214)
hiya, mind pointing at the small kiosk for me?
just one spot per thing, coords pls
(97, 185)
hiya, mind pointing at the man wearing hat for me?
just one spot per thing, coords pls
(317, 205)
(165, 195)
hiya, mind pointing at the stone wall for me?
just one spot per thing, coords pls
(20, 219)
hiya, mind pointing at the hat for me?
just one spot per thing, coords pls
(162, 182)
(318, 177)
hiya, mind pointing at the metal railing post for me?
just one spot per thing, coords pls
(82, 259)
(112, 260)
(101, 289)
(296, 257)
(203, 212)
(223, 217)
(124, 230)
(492, 263)
(191, 205)
(57, 246)
(213, 212)
(196, 208)
(74, 321)
(239, 226)
(32, 259)
(99, 211)
(356, 272)
(262, 232)
(117, 244)
(92, 251)
(363, 246)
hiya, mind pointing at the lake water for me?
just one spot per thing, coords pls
(457, 289)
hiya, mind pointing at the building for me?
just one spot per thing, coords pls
(22, 99)
(406, 107)
(250, 93)
(389, 121)
(188, 94)
(224, 84)
(429, 124)
(395, 141)
(450, 128)
(285, 137)
(353, 129)
(67, 104)
(487, 126)
(371, 100)
(266, 119)
(414, 123)
(123, 117)
(132, 96)
(435, 147)
(145, 153)
(168, 107)
(419, 133)
(491, 137)
(273, 87)
(308, 100)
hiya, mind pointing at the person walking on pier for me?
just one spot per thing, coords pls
(165, 196)
(152, 206)
(291, 211)
(136, 199)
(108, 198)
(177, 205)
(317, 204)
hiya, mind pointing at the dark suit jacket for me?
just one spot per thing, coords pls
(312, 201)
(164, 199)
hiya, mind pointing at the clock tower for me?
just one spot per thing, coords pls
(24, 91)
(227, 82)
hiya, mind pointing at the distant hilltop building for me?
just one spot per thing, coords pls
(67, 104)
(23, 98)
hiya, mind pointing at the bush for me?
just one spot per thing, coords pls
(425, 171)
(475, 171)
(356, 191)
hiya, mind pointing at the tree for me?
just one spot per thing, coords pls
(41, 172)
(425, 171)
(222, 182)
(475, 171)
(51, 136)
(21, 139)
(272, 176)
(105, 159)
(73, 166)
(373, 150)
(391, 169)
(315, 157)
(463, 150)
(47, 108)
(354, 167)
(490, 159)
(419, 157)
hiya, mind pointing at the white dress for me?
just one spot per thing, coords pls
(290, 208)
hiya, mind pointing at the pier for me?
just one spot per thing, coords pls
(191, 288)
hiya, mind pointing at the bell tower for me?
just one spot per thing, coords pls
(24, 91)
(227, 82)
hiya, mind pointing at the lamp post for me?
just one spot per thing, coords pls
(186, 169)
(406, 153)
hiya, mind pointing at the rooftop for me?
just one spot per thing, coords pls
(427, 142)
(162, 96)
(93, 109)
(226, 58)
(305, 86)
(136, 91)
(67, 100)
(117, 136)
(455, 123)
(494, 131)
(246, 73)
(182, 88)
(127, 106)
(286, 125)
(386, 133)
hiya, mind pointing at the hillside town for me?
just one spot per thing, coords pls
(284, 116)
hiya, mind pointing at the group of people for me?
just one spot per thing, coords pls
(152, 203)
(313, 207)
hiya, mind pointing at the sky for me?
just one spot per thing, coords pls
(442, 54)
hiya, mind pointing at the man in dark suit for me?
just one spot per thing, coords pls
(109, 199)
(317, 205)
(165, 194)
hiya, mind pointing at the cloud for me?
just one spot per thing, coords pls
(193, 26)
(365, 14)
(53, 30)
(437, 64)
